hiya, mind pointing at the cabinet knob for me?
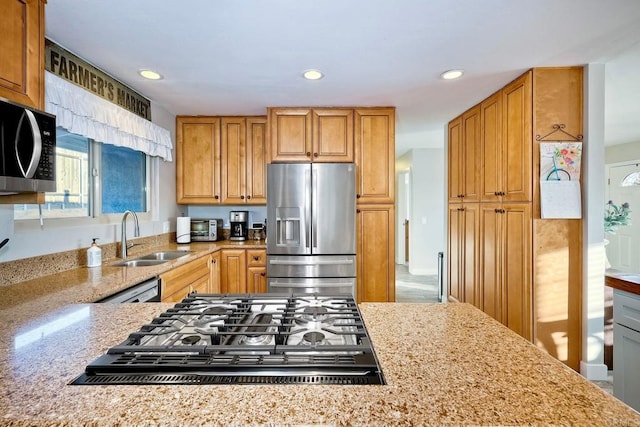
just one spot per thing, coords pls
(263, 274)
(215, 197)
(497, 210)
(460, 209)
(213, 261)
(256, 258)
(241, 197)
(502, 193)
(358, 196)
(248, 197)
(496, 193)
(357, 210)
(315, 154)
(308, 153)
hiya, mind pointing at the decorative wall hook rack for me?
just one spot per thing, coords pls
(558, 127)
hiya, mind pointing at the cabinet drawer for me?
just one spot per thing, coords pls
(626, 309)
(256, 257)
(182, 276)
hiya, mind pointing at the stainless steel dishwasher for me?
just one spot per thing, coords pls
(147, 291)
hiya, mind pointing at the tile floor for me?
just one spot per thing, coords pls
(424, 289)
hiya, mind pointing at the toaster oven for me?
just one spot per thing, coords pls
(206, 229)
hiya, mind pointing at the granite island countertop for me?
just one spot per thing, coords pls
(443, 363)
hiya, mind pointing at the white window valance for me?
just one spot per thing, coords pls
(86, 114)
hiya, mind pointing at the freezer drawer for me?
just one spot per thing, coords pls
(321, 286)
(311, 266)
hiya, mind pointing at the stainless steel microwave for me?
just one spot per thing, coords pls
(27, 149)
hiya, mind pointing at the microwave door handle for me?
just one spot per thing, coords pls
(37, 144)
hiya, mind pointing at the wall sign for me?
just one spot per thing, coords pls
(68, 66)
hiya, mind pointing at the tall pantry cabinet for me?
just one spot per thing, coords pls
(504, 258)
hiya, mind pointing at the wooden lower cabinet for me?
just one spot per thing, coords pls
(214, 287)
(375, 253)
(462, 267)
(179, 282)
(505, 265)
(243, 271)
(233, 271)
(256, 271)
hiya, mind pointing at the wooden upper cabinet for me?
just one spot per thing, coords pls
(198, 160)
(471, 156)
(22, 47)
(233, 163)
(256, 160)
(491, 148)
(311, 134)
(332, 135)
(517, 139)
(454, 156)
(464, 156)
(290, 134)
(375, 155)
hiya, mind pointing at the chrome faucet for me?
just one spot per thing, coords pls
(136, 232)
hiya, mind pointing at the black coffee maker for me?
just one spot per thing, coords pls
(239, 221)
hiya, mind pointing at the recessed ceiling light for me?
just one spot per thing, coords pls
(312, 75)
(151, 75)
(452, 74)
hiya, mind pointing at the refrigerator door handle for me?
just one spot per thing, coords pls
(314, 210)
(307, 207)
(296, 262)
(276, 284)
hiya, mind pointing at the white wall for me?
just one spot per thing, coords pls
(29, 242)
(622, 153)
(593, 183)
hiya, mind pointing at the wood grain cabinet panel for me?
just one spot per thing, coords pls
(464, 156)
(311, 134)
(375, 253)
(22, 46)
(215, 273)
(463, 259)
(243, 160)
(178, 282)
(233, 271)
(198, 160)
(375, 155)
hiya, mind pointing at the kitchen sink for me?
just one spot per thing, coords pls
(139, 262)
(155, 258)
(164, 255)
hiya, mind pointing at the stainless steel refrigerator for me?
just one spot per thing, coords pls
(311, 228)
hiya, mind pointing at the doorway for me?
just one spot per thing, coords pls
(623, 186)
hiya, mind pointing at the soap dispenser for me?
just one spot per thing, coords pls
(94, 255)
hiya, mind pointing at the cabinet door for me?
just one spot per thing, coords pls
(180, 279)
(517, 139)
(22, 40)
(233, 271)
(375, 155)
(214, 286)
(516, 249)
(198, 160)
(290, 138)
(333, 135)
(201, 285)
(491, 277)
(463, 243)
(471, 155)
(455, 240)
(455, 152)
(256, 161)
(491, 148)
(375, 253)
(233, 163)
(257, 280)
(626, 359)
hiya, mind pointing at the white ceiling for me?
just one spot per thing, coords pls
(240, 56)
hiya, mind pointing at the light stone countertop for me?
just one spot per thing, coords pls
(444, 364)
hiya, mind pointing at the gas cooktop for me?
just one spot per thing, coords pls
(245, 339)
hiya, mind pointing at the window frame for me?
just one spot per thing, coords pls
(95, 206)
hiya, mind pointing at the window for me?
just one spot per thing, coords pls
(83, 165)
